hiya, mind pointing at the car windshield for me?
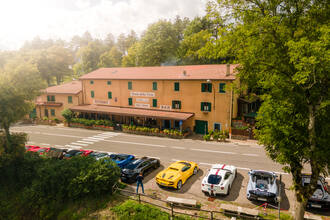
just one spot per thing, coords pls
(98, 154)
(133, 164)
(41, 150)
(214, 179)
(118, 157)
(186, 164)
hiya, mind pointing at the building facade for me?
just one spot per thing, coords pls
(198, 98)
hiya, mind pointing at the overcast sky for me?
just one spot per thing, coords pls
(22, 20)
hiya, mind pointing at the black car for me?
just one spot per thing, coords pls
(144, 165)
(69, 154)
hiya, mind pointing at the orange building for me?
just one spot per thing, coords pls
(197, 97)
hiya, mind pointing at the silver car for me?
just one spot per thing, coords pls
(262, 186)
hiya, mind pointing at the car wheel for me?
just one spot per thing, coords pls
(228, 189)
(195, 170)
(179, 185)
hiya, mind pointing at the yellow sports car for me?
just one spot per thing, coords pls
(176, 174)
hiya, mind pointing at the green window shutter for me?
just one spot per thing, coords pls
(222, 87)
(69, 99)
(52, 112)
(209, 105)
(176, 86)
(109, 95)
(129, 85)
(154, 103)
(154, 86)
(48, 98)
(202, 106)
(203, 87)
(109, 83)
(130, 101)
(209, 87)
(91, 82)
(173, 104)
(179, 104)
(92, 94)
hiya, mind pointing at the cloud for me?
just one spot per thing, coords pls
(64, 19)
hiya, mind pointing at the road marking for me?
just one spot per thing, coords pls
(153, 157)
(177, 147)
(62, 135)
(60, 146)
(73, 146)
(143, 144)
(207, 164)
(243, 168)
(45, 144)
(175, 160)
(31, 142)
(87, 139)
(251, 155)
(213, 151)
(79, 144)
(98, 139)
(85, 142)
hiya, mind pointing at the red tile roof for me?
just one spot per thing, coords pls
(192, 72)
(73, 87)
(133, 112)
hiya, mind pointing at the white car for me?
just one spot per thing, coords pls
(219, 179)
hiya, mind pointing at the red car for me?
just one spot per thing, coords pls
(33, 148)
(86, 152)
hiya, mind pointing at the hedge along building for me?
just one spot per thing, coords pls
(197, 97)
(55, 99)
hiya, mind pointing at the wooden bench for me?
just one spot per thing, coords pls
(182, 202)
(239, 211)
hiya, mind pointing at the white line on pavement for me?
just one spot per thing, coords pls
(153, 157)
(177, 147)
(251, 155)
(79, 144)
(45, 144)
(61, 135)
(143, 144)
(213, 151)
(85, 142)
(93, 138)
(87, 139)
(175, 160)
(30, 142)
(60, 146)
(207, 164)
(73, 146)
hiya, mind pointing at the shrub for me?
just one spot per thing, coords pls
(67, 114)
(57, 120)
(45, 118)
(207, 137)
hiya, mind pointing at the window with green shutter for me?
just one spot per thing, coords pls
(109, 95)
(92, 94)
(130, 101)
(69, 99)
(222, 88)
(91, 82)
(108, 82)
(176, 86)
(176, 104)
(154, 86)
(154, 103)
(205, 106)
(130, 85)
(52, 112)
(50, 98)
(206, 87)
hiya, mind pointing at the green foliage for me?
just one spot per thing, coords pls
(38, 188)
(89, 122)
(207, 137)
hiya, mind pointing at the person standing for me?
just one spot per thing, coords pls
(139, 182)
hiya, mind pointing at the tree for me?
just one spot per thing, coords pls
(19, 85)
(125, 42)
(111, 58)
(68, 115)
(88, 57)
(283, 49)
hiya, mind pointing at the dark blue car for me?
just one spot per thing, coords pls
(121, 159)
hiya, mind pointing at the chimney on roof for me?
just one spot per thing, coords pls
(184, 72)
(228, 70)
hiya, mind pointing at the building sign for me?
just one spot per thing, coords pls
(142, 105)
(102, 102)
(165, 107)
(146, 94)
(142, 100)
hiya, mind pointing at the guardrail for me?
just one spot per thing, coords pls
(212, 215)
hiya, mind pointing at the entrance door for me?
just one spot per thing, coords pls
(46, 113)
(201, 127)
(167, 124)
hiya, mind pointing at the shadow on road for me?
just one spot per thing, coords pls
(187, 184)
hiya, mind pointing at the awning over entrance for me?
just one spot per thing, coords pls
(169, 115)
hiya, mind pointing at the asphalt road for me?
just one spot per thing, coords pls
(245, 157)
